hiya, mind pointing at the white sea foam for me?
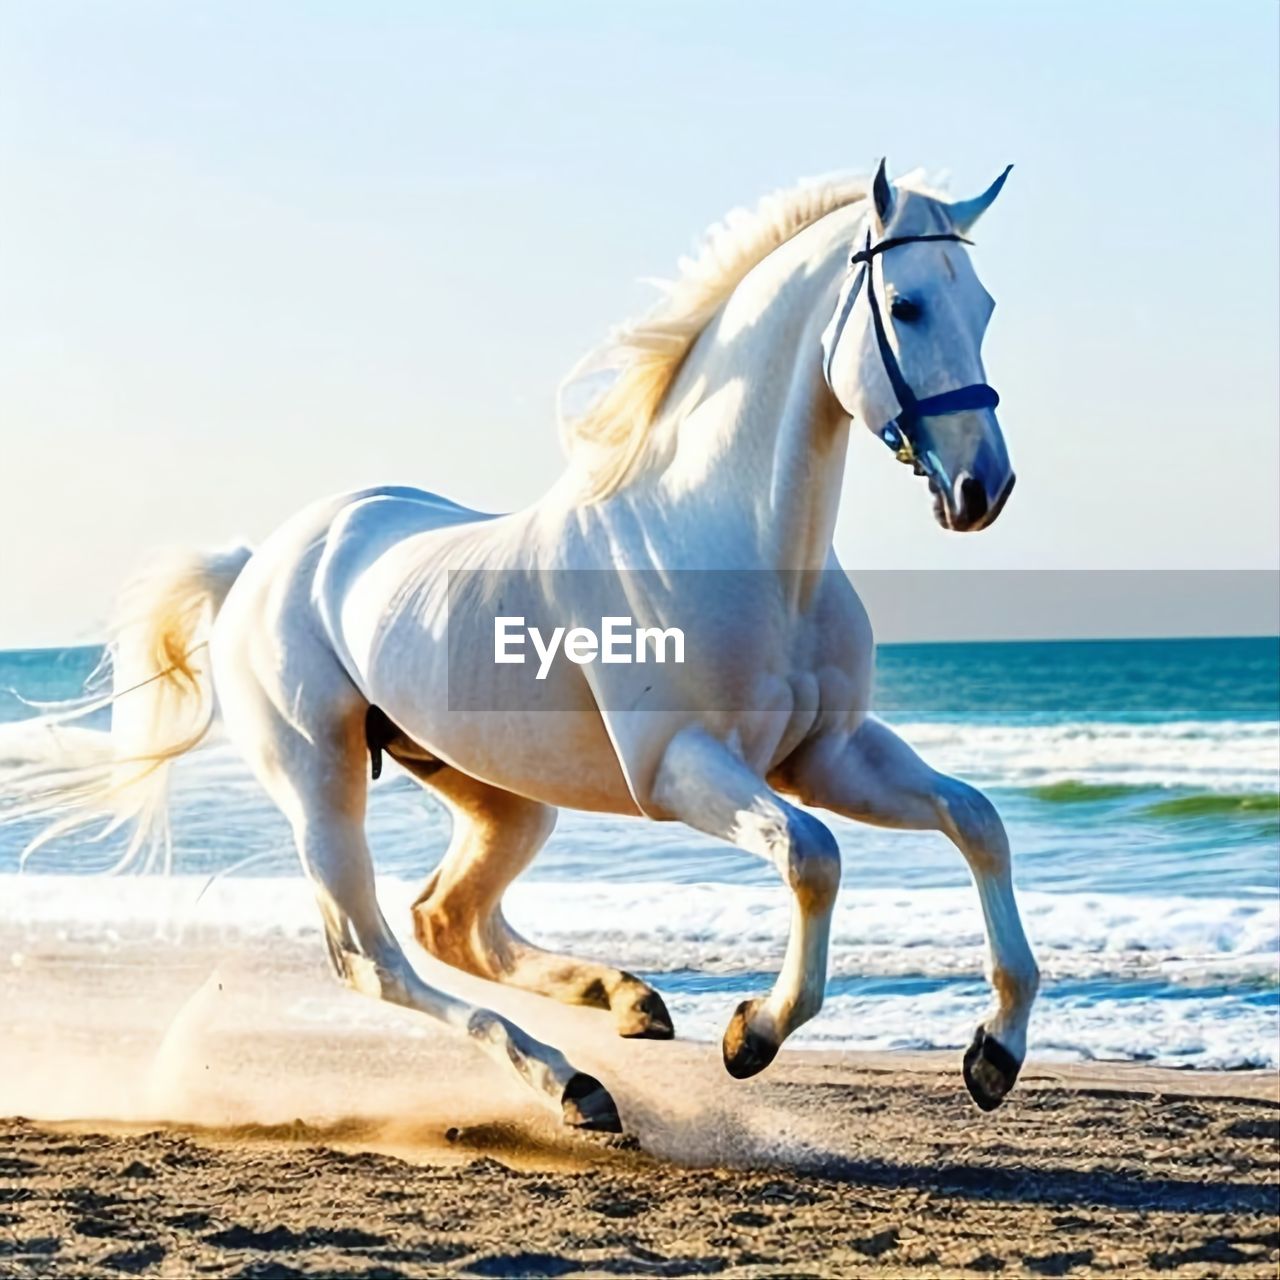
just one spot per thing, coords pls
(716, 928)
(1208, 1034)
(1219, 755)
(1212, 963)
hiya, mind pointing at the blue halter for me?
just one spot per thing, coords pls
(902, 434)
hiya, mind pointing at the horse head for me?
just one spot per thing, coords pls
(902, 351)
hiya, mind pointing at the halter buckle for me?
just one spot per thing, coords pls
(902, 448)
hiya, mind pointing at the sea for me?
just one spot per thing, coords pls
(1139, 780)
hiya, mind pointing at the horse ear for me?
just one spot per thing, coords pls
(882, 195)
(964, 213)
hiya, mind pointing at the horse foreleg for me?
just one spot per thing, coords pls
(458, 916)
(874, 777)
(705, 785)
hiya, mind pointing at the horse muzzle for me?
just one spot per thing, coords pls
(970, 505)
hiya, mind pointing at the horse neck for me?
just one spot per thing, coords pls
(751, 430)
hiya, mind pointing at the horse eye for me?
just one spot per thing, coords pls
(905, 309)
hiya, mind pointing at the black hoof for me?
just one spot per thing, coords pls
(746, 1052)
(989, 1070)
(586, 1104)
(648, 1019)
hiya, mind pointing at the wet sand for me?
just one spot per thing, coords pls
(232, 1113)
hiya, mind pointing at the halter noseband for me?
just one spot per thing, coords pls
(902, 434)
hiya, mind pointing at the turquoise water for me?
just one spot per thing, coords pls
(1138, 779)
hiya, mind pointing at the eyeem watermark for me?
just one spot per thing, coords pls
(618, 641)
(685, 640)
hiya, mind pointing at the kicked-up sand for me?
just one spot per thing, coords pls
(216, 1113)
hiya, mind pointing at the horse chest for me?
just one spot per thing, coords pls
(785, 711)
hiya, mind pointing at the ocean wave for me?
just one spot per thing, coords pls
(714, 928)
(1178, 980)
(1073, 791)
(1212, 1033)
(1257, 804)
(1239, 756)
(1248, 805)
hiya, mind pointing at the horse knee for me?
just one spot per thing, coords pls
(974, 824)
(813, 862)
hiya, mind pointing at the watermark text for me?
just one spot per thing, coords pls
(619, 640)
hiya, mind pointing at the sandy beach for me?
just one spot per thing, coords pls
(1086, 1172)
(237, 1115)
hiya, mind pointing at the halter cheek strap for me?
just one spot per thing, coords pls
(902, 434)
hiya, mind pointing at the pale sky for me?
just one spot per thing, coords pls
(253, 253)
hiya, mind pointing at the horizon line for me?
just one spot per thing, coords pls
(879, 644)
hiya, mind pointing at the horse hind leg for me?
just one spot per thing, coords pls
(313, 766)
(458, 916)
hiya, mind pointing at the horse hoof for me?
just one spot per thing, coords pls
(746, 1052)
(586, 1104)
(989, 1070)
(647, 1019)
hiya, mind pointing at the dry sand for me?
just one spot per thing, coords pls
(1083, 1173)
(233, 1114)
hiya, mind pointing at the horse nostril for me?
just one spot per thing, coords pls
(1002, 499)
(973, 499)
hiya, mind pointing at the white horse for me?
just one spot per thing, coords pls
(720, 445)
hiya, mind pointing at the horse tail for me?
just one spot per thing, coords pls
(161, 703)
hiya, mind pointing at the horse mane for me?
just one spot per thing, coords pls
(647, 352)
